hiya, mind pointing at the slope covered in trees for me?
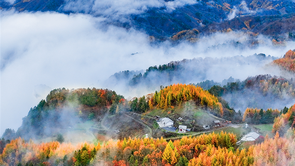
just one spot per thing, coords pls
(207, 149)
(268, 17)
(284, 121)
(136, 151)
(174, 96)
(263, 92)
(287, 62)
(63, 108)
(191, 71)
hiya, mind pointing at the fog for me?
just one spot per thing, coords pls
(116, 8)
(43, 51)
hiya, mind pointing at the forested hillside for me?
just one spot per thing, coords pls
(287, 62)
(191, 71)
(171, 18)
(63, 108)
(263, 92)
(150, 83)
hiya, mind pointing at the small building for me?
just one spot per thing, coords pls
(165, 122)
(252, 138)
(182, 128)
(217, 123)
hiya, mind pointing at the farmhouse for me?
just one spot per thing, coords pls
(217, 123)
(252, 138)
(182, 128)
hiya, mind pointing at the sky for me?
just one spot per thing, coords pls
(44, 51)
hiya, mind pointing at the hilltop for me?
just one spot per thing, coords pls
(287, 62)
(102, 113)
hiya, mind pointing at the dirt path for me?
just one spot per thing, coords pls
(150, 130)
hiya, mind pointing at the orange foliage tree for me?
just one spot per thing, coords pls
(278, 151)
(283, 122)
(176, 94)
(288, 62)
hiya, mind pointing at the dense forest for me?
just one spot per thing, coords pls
(209, 149)
(176, 95)
(129, 152)
(262, 91)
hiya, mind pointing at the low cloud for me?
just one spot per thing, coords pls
(241, 9)
(43, 51)
(116, 8)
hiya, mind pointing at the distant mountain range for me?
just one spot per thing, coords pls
(175, 19)
(191, 71)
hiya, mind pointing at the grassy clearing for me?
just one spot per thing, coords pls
(199, 113)
(265, 129)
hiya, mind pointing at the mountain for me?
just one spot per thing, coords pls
(165, 19)
(191, 71)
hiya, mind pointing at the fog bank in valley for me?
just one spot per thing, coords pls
(43, 51)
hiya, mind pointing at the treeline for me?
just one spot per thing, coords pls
(262, 91)
(287, 62)
(207, 149)
(210, 148)
(266, 84)
(277, 151)
(87, 97)
(185, 71)
(260, 116)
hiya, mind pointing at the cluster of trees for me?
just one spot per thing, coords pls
(139, 105)
(175, 95)
(168, 69)
(260, 116)
(262, 91)
(87, 97)
(147, 151)
(277, 151)
(206, 149)
(223, 156)
(284, 121)
(63, 108)
(288, 62)
(265, 84)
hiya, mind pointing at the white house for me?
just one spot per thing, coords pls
(182, 128)
(165, 122)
